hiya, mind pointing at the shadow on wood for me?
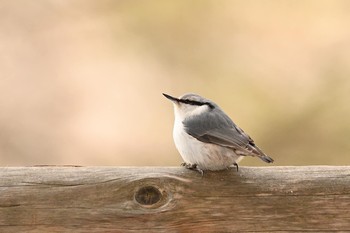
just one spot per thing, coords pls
(126, 199)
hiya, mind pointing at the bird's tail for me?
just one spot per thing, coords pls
(266, 158)
(256, 151)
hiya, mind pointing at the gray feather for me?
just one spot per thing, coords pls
(217, 128)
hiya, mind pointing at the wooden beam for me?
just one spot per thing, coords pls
(173, 199)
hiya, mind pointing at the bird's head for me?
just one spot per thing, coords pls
(190, 105)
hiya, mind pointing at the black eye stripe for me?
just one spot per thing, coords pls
(193, 102)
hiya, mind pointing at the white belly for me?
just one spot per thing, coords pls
(207, 156)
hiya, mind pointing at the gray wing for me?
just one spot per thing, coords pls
(217, 128)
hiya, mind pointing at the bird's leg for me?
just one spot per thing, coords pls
(188, 165)
(196, 168)
(236, 165)
(193, 167)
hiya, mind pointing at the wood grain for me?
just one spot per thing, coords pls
(173, 199)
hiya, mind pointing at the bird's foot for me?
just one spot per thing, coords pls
(236, 165)
(193, 167)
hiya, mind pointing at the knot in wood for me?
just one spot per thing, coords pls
(148, 195)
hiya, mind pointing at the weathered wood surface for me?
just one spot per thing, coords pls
(107, 199)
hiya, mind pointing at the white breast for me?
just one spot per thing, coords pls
(206, 155)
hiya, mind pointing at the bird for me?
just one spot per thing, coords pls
(207, 138)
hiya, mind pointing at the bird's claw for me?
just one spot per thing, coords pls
(193, 167)
(236, 165)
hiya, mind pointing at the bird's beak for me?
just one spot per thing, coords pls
(173, 99)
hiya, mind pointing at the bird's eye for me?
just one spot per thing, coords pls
(196, 103)
(191, 102)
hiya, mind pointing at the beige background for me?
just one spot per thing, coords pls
(81, 81)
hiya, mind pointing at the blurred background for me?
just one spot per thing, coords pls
(81, 81)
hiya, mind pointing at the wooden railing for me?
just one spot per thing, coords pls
(173, 199)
